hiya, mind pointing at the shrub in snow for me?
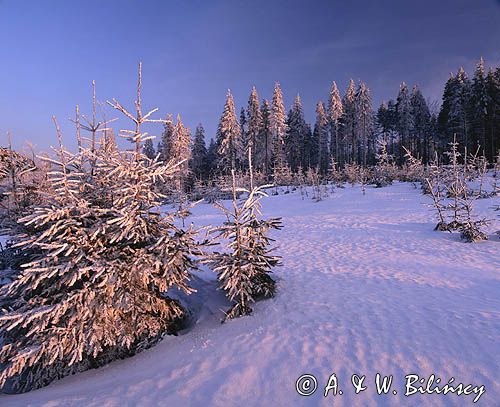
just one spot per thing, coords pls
(470, 228)
(351, 173)
(99, 263)
(413, 170)
(477, 167)
(451, 183)
(334, 174)
(384, 171)
(282, 176)
(496, 172)
(435, 188)
(243, 271)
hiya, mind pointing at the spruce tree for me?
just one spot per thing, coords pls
(100, 262)
(334, 114)
(348, 121)
(382, 120)
(443, 121)
(148, 149)
(296, 129)
(243, 271)
(229, 143)
(254, 124)
(167, 142)
(404, 124)
(421, 125)
(244, 137)
(479, 104)
(181, 153)
(199, 164)
(212, 157)
(459, 118)
(321, 134)
(392, 120)
(264, 148)
(278, 126)
(363, 127)
(493, 117)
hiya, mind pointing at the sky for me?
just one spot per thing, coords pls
(194, 51)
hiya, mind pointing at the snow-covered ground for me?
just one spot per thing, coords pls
(366, 286)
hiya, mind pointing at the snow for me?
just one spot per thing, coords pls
(366, 286)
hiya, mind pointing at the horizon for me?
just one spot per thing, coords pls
(194, 53)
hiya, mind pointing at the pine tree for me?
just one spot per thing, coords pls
(254, 124)
(334, 112)
(321, 134)
(278, 126)
(148, 149)
(199, 164)
(229, 143)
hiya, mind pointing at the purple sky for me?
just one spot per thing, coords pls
(193, 51)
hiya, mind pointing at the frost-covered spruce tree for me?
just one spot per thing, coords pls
(477, 168)
(470, 229)
(363, 127)
(100, 261)
(496, 175)
(199, 156)
(181, 153)
(264, 147)
(19, 181)
(243, 271)
(334, 174)
(148, 149)
(229, 143)
(348, 123)
(278, 126)
(414, 170)
(462, 204)
(454, 184)
(321, 131)
(254, 123)
(404, 123)
(167, 140)
(335, 110)
(384, 169)
(296, 126)
(434, 186)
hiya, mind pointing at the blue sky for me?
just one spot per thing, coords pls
(193, 51)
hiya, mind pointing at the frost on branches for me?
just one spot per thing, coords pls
(243, 271)
(100, 261)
